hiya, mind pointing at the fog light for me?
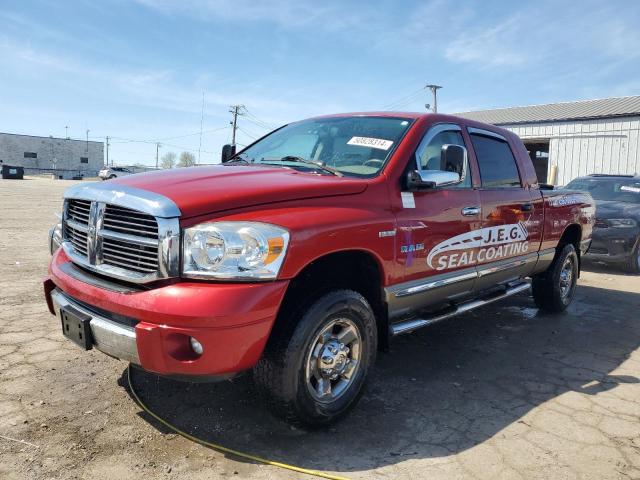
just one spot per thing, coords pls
(196, 346)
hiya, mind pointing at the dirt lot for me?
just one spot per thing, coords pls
(504, 392)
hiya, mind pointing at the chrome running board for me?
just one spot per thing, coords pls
(416, 323)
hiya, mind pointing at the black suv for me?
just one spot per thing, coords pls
(616, 235)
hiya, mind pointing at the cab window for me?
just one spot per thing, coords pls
(497, 164)
(429, 155)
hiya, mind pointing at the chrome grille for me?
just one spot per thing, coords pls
(122, 232)
(118, 241)
(76, 226)
(136, 257)
(78, 239)
(129, 222)
(79, 211)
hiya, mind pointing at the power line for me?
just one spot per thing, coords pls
(253, 122)
(258, 121)
(146, 142)
(250, 135)
(155, 140)
(191, 134)
(401, 102)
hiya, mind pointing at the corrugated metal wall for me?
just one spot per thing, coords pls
(590, 146)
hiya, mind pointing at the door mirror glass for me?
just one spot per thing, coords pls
(453, 158)
(425, 179)
(228, 151)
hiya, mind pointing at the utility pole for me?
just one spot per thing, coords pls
(107, 150)
(66, 132)
(235, 111)
(201, 120)
(434, 89)
(87, 148)
(157, 153)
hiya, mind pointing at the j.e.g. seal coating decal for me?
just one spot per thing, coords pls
(479, 246)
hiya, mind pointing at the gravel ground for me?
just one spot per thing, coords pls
(503, 392)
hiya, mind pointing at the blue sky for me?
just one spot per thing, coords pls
(136, 70)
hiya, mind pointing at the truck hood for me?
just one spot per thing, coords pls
(202, 190)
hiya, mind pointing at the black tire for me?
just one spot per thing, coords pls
(632, 264)
(282, 375)
(550, 290)
(112, 176)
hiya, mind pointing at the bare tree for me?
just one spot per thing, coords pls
(168, 160)
(186, 160)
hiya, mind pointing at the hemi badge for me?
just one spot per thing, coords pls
(387, 233)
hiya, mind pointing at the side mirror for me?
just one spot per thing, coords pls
(425, 179)
(228, 151)
(453, 158)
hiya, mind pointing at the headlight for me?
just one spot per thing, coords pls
(622, 222)
(234, 250)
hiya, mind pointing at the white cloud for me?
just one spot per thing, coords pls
(494, 46)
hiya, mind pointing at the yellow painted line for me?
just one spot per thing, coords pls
(223, 449)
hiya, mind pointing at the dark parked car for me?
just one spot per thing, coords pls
(616, 235)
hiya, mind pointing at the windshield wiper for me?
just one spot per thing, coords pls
(292, 158)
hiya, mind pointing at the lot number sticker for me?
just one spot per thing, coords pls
(378, 143)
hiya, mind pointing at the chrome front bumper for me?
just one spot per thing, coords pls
(109, 337)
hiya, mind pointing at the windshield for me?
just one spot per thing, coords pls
(612, 189)
(352, 146)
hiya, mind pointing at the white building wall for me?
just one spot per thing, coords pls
(582, 147)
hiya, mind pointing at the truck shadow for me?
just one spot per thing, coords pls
(438, 392)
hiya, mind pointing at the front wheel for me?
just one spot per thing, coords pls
(553, 290)
(316, 373)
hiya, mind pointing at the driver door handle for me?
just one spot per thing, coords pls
(470, 211)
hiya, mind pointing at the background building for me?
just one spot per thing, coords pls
(62, 156)
(567, 140)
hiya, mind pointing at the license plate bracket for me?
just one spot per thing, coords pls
(75, 326)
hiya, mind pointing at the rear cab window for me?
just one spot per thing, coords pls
(496, 162)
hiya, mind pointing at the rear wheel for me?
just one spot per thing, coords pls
(315, 374)
(553, 290)
(633, 262)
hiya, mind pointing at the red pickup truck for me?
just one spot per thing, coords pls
(303, 254)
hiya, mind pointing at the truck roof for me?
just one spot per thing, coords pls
(384, 113)
(432, 117)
